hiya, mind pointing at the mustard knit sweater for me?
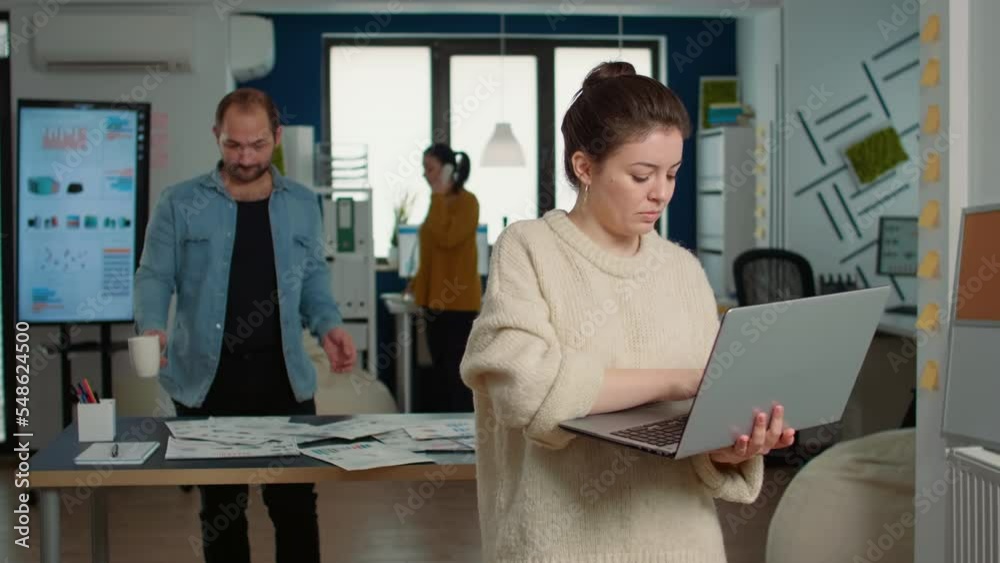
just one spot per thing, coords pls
(448, 277)
(558, 311)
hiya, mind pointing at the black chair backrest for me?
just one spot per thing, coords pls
(766, 275)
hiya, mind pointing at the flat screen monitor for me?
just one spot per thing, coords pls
(898, 246)
(409, 250)
(82, 200)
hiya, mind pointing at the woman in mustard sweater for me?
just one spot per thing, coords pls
(447, 284)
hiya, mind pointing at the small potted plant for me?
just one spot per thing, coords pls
(401, 215)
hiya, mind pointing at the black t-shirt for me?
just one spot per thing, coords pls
(253, 320)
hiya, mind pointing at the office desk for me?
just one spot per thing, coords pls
(898, 324)
(55, 475)
(883, 393)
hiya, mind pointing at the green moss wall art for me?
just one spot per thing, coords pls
(875, 155)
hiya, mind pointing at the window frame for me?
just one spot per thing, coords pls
(7, 246)
(541, 47)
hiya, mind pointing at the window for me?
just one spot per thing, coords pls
(572, 65)
(392, 119)
(4, 40)
(478, 102)
(397, 95)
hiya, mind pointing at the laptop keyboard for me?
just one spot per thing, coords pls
(660, 433)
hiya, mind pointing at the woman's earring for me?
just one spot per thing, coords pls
(586, 192)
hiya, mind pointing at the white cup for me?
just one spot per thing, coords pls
(144, 351)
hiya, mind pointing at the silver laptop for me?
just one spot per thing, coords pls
(803, 353)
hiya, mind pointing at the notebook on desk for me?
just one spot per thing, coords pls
(117, 453)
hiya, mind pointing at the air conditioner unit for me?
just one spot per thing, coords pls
(251, 47)
(115, 42)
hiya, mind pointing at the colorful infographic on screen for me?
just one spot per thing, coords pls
(80, 172)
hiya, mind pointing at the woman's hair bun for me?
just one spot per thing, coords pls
(606, 70)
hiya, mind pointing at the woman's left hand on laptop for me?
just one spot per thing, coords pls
(767, 435)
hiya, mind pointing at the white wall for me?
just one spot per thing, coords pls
(758, 60)
(826, 45)
(984, 89)
(188, 101)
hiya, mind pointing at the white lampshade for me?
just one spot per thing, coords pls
(502, 148)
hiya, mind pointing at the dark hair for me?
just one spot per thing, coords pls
(616, 106)
(446, 155)
(247, 98)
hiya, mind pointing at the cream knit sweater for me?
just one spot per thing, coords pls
(558, 311)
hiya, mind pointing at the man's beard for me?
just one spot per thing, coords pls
(246, 174)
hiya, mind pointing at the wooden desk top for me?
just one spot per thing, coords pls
(54, 467)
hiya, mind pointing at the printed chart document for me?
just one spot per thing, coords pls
(445, 428)
(251, 421)
(205, 430)
(401, 439)
(358, 428)
(178, 448)
(364, 455)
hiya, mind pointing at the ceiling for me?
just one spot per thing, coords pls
(702, 8)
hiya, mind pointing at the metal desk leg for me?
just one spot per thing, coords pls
(99, 527)
(50, 525)
(404, 365)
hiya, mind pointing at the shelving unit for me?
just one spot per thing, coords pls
(725, 204)
(341, 181)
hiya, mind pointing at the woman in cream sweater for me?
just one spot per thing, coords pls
(588, 312)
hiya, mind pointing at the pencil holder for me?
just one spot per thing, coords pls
(96, 421)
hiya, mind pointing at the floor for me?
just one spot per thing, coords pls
(159, 524)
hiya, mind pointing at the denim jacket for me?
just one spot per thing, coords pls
(187, 251)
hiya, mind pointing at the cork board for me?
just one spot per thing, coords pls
(978, 288)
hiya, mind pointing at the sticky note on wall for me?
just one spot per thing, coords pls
(932, 121)
(930, 265)
(929, 318)
(929, 377)
(931, 30)
(930, 215)
(932, 173)
(932, 73)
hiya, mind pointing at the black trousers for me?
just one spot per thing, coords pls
(255, 385)
(447, 335)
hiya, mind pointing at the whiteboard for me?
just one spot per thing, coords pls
(972, 388)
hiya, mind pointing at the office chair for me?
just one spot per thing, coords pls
(766, 275)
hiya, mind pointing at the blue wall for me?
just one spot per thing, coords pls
(295, 82)
(695, 47)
